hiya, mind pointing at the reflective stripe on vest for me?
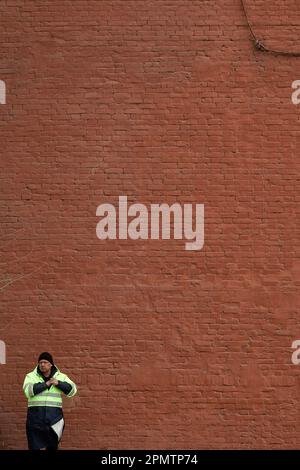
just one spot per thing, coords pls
(41, 399)
(72, 391)
(45, 403)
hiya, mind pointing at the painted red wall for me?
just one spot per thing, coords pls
(162, 101)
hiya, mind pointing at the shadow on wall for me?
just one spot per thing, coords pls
(2, 447)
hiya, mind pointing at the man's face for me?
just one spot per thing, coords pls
(45, 366)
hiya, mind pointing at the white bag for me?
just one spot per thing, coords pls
(58, 428)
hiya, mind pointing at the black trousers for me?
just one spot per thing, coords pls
(41, 437)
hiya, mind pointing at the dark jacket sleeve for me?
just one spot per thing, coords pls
(39, 387)
(64, 387)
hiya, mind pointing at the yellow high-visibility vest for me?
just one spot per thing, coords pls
(49, 397)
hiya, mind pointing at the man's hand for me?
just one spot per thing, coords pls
(52, 381)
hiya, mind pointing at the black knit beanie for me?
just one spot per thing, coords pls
(47, 357)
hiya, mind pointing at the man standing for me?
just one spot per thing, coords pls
(44, 387)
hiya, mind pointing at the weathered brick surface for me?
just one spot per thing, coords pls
(162, 101)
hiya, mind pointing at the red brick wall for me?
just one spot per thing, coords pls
(162, 101)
